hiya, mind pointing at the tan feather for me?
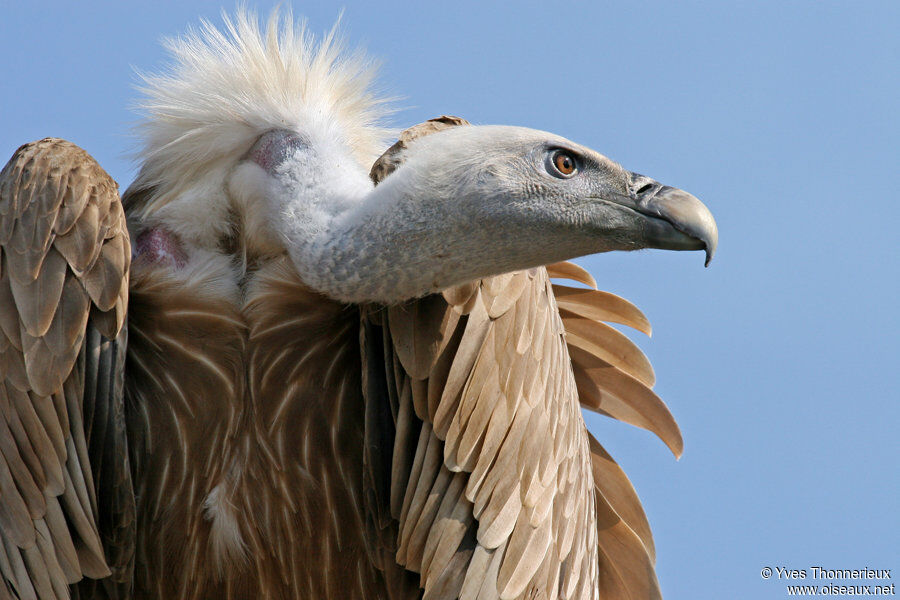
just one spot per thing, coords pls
(476, 575)
(611, 482)
(569, 270)
(459, 296)
(39, 439)
(28, 247)
(420, 397)
(404, 450)
(525, 324)
(428, 474)
(18, 572)
(69, 320)
(75, 196)
(51, 562)
(458, 526)
(36, 301)
(419, 333)
(601, 306)
(430, 503)
(80, 245)
(466, 354)
(45, 409)
(469, 439)
(526, 551)
(26, 485)
(9, 319)
(103, 281)
(512, 437)
(605, 389)
(437, 379)
(541, 324)
(626, 570)
(90, 553)
(14, 369)
(446, 530)
(62, 541)
(15, 519)
(450, 578)
(23, 444)
(39, 571)
(498, 517)
(603, 341)
(489, 589)
(418, 463)
(506, 294)
(483, 380)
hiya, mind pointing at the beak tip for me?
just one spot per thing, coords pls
(711, 239)
(710, 252)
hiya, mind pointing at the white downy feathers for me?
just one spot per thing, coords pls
(225, 89)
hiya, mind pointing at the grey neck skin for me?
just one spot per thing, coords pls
(409, 236)
(383, 246)
(424, 228)
(347, 240)
(393, 246)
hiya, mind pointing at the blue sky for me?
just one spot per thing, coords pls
(780, 361)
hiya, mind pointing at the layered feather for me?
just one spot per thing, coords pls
(67, 509)
(489, 448)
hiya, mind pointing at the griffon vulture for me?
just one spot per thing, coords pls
(261, 375)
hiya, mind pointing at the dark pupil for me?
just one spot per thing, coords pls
(564, 163)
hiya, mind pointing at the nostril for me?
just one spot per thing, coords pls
(644, 188)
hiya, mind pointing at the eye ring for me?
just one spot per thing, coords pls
(562, 164)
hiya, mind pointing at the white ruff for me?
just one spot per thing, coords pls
(228, 87)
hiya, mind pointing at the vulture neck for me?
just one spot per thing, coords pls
(401, 240)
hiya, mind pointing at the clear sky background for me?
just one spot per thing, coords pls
(780, 361)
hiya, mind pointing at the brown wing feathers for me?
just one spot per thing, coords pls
(485, 470)
(65, 259)
(626, 549)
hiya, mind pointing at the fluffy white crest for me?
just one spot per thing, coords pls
(224, 89)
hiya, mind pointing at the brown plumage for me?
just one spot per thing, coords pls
(248, 434)
(443, 442)
(67, 508)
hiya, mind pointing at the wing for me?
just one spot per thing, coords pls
(493, 481)
(614, 378)
(66, 501)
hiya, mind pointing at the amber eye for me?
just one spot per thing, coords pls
(563, 163)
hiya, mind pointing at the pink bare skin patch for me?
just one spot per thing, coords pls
(160, 246)
(273, 147)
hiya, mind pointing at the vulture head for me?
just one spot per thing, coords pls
(461, 203)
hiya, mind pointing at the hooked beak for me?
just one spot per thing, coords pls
(678, 220)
